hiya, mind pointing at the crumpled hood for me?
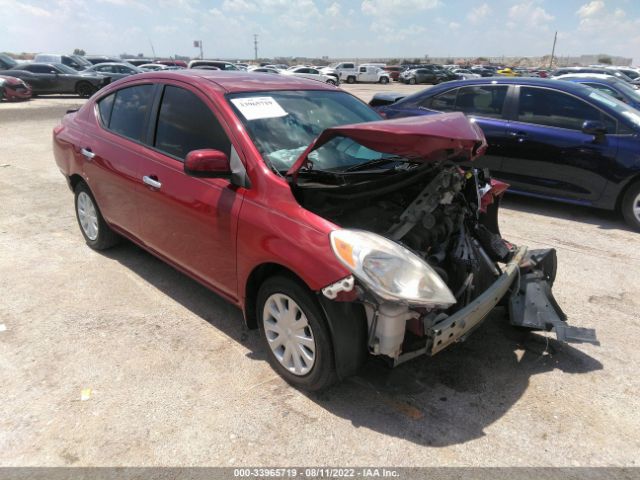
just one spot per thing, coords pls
(418, 138)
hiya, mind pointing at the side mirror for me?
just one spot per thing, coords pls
(207, 163)
(595, 128)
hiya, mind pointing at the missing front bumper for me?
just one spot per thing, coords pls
(529, 277)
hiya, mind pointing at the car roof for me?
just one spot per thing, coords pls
(239, 81)
(570, 87)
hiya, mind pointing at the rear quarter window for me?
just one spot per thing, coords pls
(129, 112)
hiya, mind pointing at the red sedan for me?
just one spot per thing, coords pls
(337, 233)
(12, 88)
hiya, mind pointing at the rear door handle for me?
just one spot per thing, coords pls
(518, 135)
(152, 182)
(87, 153)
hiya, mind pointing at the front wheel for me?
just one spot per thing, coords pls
(631, 206)
(412, 81)
(95, 230)
(296, 334)
(331, 82)
(384, 80)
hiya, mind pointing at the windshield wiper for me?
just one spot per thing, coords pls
(374, 163)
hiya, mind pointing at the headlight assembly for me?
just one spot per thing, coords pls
(391, 271)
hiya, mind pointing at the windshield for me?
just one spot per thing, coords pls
(8, 60)
(631, 114)
(64, 69)
(282, 124)
(628, 90)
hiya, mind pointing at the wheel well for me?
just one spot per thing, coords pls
(634, 181)
(257, 276)
(83, 82)
(74, 180)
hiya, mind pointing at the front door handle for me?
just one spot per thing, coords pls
(152, 182)
(87, 153)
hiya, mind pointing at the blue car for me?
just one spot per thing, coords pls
(547, 138)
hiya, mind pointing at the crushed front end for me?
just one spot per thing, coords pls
(422, 241)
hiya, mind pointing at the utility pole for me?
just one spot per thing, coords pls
(553, 50)
(255, 46)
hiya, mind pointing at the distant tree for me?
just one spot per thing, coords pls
(605, 60)
(393, 61)
(418, 61)
(79, 51)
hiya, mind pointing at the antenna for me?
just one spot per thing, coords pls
(255, 46)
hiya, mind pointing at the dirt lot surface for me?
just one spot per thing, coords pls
(176, 380)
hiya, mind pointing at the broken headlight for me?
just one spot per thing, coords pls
(390, 270)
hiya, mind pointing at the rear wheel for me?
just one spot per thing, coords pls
(631, 206)
(95, 230)
(296, 334)
(412, 81)
(85, 89)
(331, 82)
(351, 79)
(384, 80)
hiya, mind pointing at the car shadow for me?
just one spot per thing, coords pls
(438, 401)
(604, 219)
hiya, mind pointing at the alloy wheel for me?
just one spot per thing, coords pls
(87, 215)
(635, 206)
(289, 334)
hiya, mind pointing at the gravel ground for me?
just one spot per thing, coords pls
(176, 380)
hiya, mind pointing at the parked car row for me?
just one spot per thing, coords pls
(574, 140)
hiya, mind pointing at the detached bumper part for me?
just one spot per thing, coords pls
(456, 327)
(532, 304)
(530, 277)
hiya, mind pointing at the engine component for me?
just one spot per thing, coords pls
(390, 327)
(439, 191)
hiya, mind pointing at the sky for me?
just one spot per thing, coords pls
(315, 28)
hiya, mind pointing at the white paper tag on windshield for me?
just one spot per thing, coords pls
(254, 108)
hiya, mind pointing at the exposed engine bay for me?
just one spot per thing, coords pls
(447, 216)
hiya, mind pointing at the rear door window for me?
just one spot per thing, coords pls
(445, 102)
(482, 100)
(129, 112)
(186, 123)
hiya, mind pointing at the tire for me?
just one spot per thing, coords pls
(311, 365)
(331, 82)
(384, 80)
(85, 89)
(412, 81)
(351, 79)
(630, 206)
(94, 229)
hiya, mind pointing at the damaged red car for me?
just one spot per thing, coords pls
(338, 234)
(12, 89)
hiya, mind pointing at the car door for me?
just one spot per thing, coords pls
(113, 152)
(485, 104)
(47, 77)
(189, 221)
(548, 154)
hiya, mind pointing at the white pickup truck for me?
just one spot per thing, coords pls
(352, 73)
